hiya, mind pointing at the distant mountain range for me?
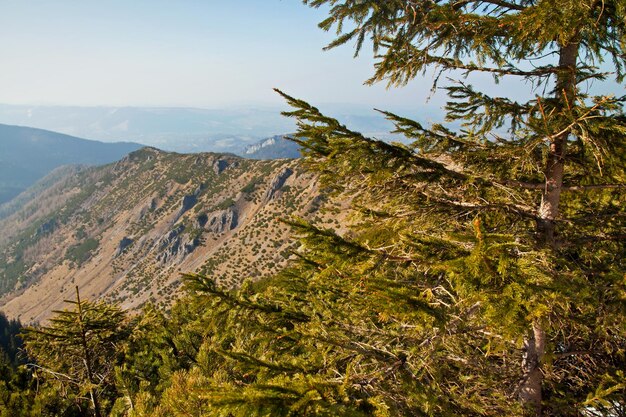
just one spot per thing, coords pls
(182, 130)
(276, 147)
(28, 154)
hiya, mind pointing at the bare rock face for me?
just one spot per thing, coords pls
(124, 243)
(199, 189)
(169, 244)
(222, 221)
(315, 203)
(220, 165)
(277, 183)
(188, 202)
(176, 245)
(200, 220)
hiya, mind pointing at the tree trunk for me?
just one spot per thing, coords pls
(534, 344)
(534, 349)
(86, 359)
(565, 93)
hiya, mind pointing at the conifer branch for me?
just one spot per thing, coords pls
(565, 187)
(203, 284)
(57, 375)
(498, 3)
(615, 237)
(525, 212)
(593, 187)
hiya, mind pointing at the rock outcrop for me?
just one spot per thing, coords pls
(200, 220)
(220, 165)
(222, 221)
(176, 245)
(188, 202)
(277, 183)
(123, 245)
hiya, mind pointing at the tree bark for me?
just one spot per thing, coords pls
(535, 342)
(565, 94)
(534, 349)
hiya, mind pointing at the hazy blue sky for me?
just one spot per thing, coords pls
(190, 53)
(203, 53)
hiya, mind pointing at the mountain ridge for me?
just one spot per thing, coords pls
(275, 147)
(124, 232)
(28, 154)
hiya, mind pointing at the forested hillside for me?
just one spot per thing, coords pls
(27, 155)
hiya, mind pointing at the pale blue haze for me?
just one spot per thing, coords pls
(187, 53)
(193, 53)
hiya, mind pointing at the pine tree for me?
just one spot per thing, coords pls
(79, 349)
(554, 182)
(484, 269)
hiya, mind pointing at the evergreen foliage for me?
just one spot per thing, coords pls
(128, 360)
(483, 273)
(10, 343)
(79, 350)
(14, 381)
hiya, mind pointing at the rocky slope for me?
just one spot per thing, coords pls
(126, 231)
